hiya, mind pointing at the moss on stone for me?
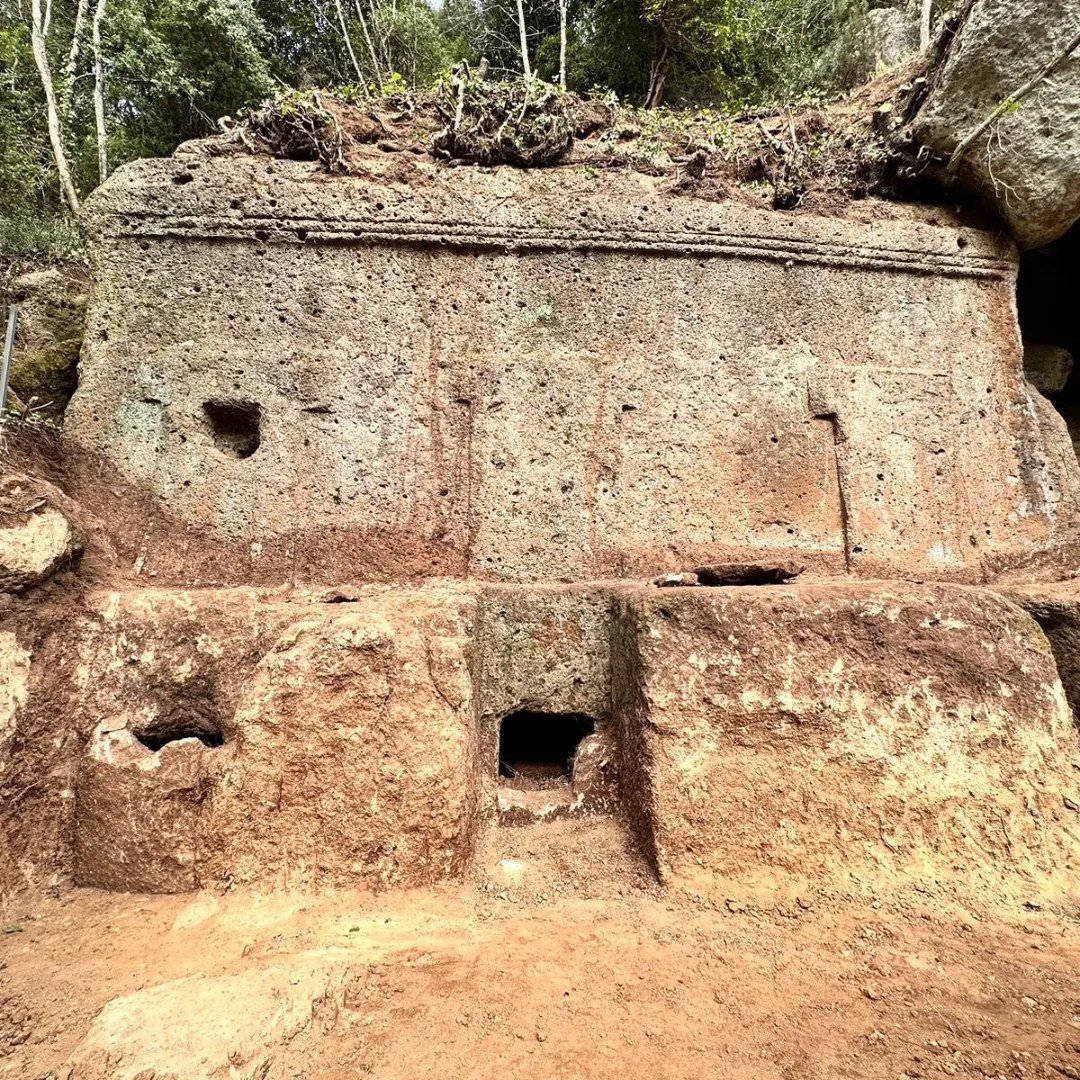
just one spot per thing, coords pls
(52, 309)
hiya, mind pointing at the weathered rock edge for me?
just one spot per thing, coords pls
(1026, 164)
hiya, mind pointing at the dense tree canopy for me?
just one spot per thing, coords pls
(131, 78)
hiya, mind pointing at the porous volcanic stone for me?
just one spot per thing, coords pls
(37, 537)
(52, 316)
(1055, 606)
(1047, 367)
(536, 375)
(14, 684)
(137, 812)
(852, 733)
(355, 751)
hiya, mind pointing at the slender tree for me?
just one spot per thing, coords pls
(925, 23)
(348, 42)
(41, 60)
(526, 66)
(375, 66)
(99, 94)
(72, 66)
(562, 44)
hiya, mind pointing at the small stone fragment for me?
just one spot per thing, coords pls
(748, 574)
(36, 536)
(675, 581)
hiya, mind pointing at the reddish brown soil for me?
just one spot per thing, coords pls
(134, 540)
(565, 962)
(822, 160)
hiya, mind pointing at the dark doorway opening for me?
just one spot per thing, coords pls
(537, 748)
(167, 729)
(1050, 324)
(235, 426)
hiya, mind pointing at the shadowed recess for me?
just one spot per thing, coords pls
(235, 426)
(540, 745)
(1050, 323)
(169, 729)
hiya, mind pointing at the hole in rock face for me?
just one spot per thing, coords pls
(537, 749)
(746, 574)
(235, 426)
(169, 729)
(1050, 324)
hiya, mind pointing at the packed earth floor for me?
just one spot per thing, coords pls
(563, 958)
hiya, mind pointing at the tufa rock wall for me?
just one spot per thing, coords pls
(851, 729)
(553, 375)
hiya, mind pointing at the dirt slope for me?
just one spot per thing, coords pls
(562, 959)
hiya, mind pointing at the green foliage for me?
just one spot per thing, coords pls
(26, 176)
(23, 234)
(489, 29)
(611, 47)
(414, 49)
(174, 67)
(178, 65)
(727, 53)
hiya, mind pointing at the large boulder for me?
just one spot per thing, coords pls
(1026, 165)
(890, 35)
(1047, 367)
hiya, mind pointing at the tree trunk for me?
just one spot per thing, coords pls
(370, 44)
(524, 40)
(925, 24)
(73, 59)
(562, 44)
(348, 42)
(41, 59)
(99, 95)
(658, 78)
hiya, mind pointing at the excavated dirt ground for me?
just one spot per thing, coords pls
(564, 959)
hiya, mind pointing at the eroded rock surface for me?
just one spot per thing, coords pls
(887, 36)
(836, 731)
(536, 375)
(826, 730)
(14, 683)
(1047, 367)
(1056, 608)
(52, 315)
(137, 811)
(355, 751)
